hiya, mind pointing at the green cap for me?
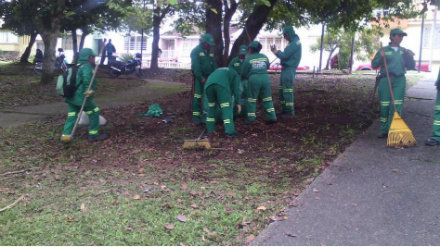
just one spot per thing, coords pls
(243, 50)
(207, 38)
(85, 53)
(397, 31)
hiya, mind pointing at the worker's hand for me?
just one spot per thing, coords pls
(273, 48)
(88, 93)
(203, 80)
(238, 108)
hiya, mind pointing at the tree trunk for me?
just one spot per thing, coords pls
(214, 27)
(83, 39)
(75, 46)
(327, 66)
(252, 26)
(50, 42)
(24, 58)
(154, 66)
(229, 12)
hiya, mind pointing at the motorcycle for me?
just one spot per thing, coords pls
(117, 68)
(60, 65)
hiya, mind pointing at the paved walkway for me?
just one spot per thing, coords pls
(15, 116)
(371, 194)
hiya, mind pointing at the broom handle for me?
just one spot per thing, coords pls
(85, 97)
(388, 76)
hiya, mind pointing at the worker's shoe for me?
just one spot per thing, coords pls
(98, 138)
(431, 142)
(272, 121)
(233, 135)
(382, 135)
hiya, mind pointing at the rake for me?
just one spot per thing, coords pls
(197, 143)
(399, 135)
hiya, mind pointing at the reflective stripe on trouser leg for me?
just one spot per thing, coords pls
(93, 111)
(196, 104)
(210, 119)
(436, 124)
(72, 114)
(218, 94)
(386, 107)
(266, 93)
(286, 90)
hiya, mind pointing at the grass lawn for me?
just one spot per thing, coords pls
(141, 188)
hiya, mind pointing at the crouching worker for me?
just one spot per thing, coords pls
(83, 77)
(220, 88)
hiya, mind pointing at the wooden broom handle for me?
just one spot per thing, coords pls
(388, 76)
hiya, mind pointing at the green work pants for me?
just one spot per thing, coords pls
(436, 125)
(218, 95)
(386, 107)
(259, 87)
(197, 100)
(90, 109)
(286, 90)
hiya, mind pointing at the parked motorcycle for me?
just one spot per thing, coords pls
(117, 68)
(60, 65)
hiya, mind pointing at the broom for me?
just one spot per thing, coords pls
(69, 138)
(399, 135)
(197, 143)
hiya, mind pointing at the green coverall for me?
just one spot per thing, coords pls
(236, 64)
(397, 72)
(290, 58)
(255, 71)
(202, 65)
(221, 86)
(436, 125)
(83, 77)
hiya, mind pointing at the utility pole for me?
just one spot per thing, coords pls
(142, 35)
(322, 47)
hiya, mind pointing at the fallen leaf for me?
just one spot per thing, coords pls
(250, 238)
(240, 151)
(136, 197)
(181, 218)
(193, 205)
(396, 170)
(209, 232)
(292, 235)
(261, 208)
(212, 165)
(83, 207)
(69, 219)
(184, 187)
(169, 226)
(141, 170)
(315, 190)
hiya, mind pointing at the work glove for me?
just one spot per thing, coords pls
(88, 93)
(238, 108)
(273, 48)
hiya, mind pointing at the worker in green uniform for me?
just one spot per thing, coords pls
(84, 74)
(290, 58)
(255, 71)
(397, 66)
(220, 88)
(236, 64)
(202, 65)
(434, 140)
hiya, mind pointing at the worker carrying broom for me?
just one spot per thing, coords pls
(83, 77)
(221, 88)
(236, 64)
(202, 65)
(434, 140)
(290, 58)
(399, 59)
(255, 71)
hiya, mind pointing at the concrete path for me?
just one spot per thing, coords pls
(371, 194)
(15, 116)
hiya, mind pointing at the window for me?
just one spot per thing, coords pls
(427, 37)
(133, 43)
(8, 38)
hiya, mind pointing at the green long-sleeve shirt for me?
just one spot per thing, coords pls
(256, 63)
(202, 62)
(291, 56)
(227, 78)
(236, 64)
(396, 65)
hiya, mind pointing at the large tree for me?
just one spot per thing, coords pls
(274, 14)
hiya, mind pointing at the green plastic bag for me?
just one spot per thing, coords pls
(153, 111)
